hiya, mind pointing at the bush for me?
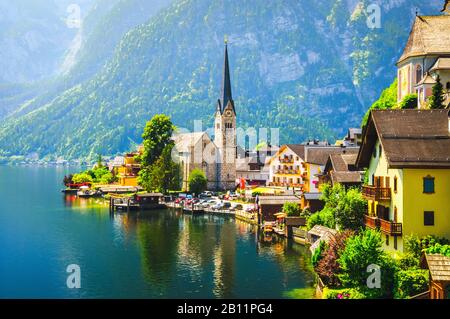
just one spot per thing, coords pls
(409, 102)
(350, 210)
(327, 267)
(82, 178)
(410, 282)
(347, 293)
(197, 181)
(439, 249)
(291, 209)
(306, 213)
(325, 218)
(345, 208)
(361, 251)
(408, 261)
(318, 253)
(416, 245)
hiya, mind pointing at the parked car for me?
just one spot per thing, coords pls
(236, 206)
(218, 206)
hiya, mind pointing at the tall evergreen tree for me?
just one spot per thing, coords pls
(437, 97)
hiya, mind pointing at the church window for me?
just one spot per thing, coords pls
(418, 73)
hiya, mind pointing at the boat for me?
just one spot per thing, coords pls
(85, 192)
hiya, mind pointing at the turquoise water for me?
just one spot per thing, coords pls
(154, 254)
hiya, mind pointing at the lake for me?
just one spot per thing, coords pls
(152, 254)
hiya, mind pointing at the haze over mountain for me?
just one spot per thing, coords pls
(311, 68)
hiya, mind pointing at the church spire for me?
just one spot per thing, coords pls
(226, 82)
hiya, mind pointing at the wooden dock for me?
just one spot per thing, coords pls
(250, 218)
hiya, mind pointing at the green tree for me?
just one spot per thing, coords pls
(82, 178)
(359, 253)
(163, 175)
(291, 209)
(436, 100)
(197, 181)
(387, 100)
(350, 210)
(409, 102)
(410, 282)
(99, 161)
(343, 208)
(157, 135)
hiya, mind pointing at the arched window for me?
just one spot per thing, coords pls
(418, 73)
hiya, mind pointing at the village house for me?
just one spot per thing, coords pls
(316, 157)
(126, 168)
(287, 167)
(252, 168)
(407, 156)
(425, 57)
(341, 169)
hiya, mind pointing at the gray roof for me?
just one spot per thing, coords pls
(319, 154)
(312, 196)
(319, 230)
(346, 177)
(409, 138)
(439, 266)
(429, 36)
(276, 200)
(184, 141)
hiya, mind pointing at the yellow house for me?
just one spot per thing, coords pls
(407, 156)
(128, 172)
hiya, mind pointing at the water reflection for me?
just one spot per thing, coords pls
(183, 255)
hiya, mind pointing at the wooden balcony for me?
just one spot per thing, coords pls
(376, 193)
(286, 160)
(371, 222)
(390, 228)
(386, 227)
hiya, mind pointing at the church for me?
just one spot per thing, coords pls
(216, 158)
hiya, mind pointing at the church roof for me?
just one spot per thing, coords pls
(427, 79)
(429, 36)
(184, 141)
(226, 94)
(441, 64)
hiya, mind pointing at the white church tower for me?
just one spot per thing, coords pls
(225, 132)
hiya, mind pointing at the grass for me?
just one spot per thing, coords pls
(300, 293)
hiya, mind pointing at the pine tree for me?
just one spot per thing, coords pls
(437, 98)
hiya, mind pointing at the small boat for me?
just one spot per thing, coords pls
(85, 192)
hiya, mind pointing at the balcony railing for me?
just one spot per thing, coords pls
(288, 171)
(385, 226)
(390, 228)
(376, 193)
(286, 160)
(371, 222)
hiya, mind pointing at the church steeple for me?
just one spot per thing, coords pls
(226, 95)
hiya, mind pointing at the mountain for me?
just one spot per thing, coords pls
(88, 51)
(309, 68)
(34, 37)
